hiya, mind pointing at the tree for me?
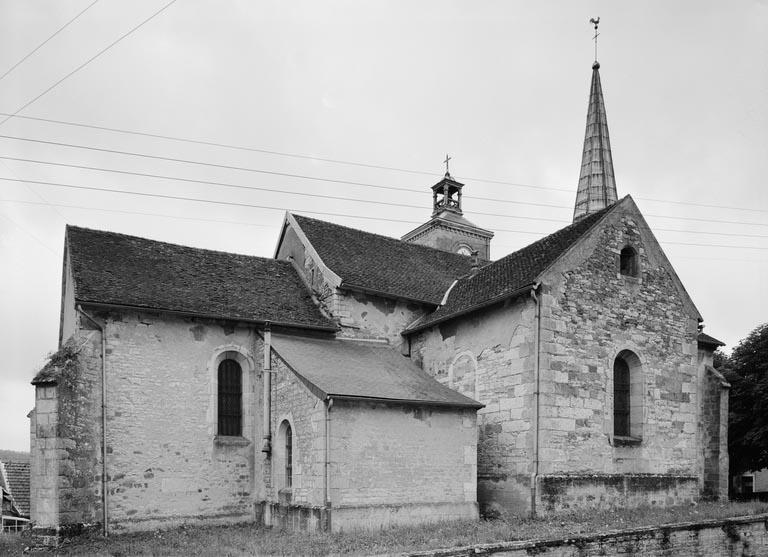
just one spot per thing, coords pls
(747, 372)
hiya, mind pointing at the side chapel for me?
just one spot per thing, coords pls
(356, 380)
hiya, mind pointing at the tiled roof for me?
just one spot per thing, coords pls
(704, 338)
(382, 264)
(17, 474)
(365, 370)
(117, 269)
(509, 274)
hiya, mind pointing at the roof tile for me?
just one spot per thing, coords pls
(364, 370)
(382, 264)
(18, 484)
(509, 274)
(111, 268)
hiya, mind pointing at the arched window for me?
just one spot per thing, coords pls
(621, 398)
(628, 262)
(288, 456)
(627, 397)
(230, 419)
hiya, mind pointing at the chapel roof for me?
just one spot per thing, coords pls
(509, 275)
(382, 264)
(117, 269)
(16, 475)
(362, 370)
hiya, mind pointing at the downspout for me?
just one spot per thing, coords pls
(103, 328)
(327, 482)
(536, 396)
(266, 445)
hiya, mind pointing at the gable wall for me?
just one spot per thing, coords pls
(489, 356)
(164, 462)
(589, 314)
(360, 315)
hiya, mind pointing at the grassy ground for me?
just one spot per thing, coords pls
(255, 540)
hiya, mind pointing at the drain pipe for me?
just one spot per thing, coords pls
(536, 396)
(266, 445)
(327, 482)
(103, 328)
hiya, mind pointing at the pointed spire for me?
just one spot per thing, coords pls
(597, 185)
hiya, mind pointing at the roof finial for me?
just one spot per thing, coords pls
(446, 161)
(596, 21)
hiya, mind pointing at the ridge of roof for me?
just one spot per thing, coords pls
(120, 270)
(511, 275)
(384, 265)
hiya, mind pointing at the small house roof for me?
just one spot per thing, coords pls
(363, 370)
(16, 476)
(704, 338)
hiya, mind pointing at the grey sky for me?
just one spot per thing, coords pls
(501, 86)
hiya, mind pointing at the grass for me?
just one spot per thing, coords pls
(256, 540)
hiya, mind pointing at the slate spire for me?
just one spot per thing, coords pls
(597, 185)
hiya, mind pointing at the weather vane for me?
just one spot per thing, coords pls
(446, 161)
(596, 21)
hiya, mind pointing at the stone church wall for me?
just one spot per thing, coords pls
(591, 313)
(165, 463)
(490, 358)
(360, 315)
(395, 464)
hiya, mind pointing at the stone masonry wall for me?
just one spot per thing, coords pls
(746, 536)
(293, 402)
(389, 463)
(360, 315)
(591, 313)
(44, 455)
(490, 358)
(166, 462)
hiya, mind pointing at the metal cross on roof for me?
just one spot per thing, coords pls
(446, 161)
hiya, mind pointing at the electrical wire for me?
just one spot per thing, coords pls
(42, 44)
(353, 163)
(251, 205)
(91, 59)
(333, 197)
(307, 177)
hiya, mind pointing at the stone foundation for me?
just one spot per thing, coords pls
(560, 493)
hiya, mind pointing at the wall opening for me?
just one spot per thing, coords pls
(627, 396)
(628, 265)
(230, 396)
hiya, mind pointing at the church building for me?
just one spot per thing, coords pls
(356, 380)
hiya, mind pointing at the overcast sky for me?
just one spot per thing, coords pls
(501, 86)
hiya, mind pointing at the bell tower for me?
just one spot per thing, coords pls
(448, 230)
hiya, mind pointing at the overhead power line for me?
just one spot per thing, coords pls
(91, 59)
(42, 44)
(354, 163)
(304, 176)
(338, 198)
(271, 207)
(224, 184)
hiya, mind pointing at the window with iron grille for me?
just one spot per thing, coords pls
(288, 456)
(621, 400)
(230, 398)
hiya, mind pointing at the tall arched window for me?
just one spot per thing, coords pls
(621, 398)
(628, 262)
(230, 418)
(628, 397)
(288, 456)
